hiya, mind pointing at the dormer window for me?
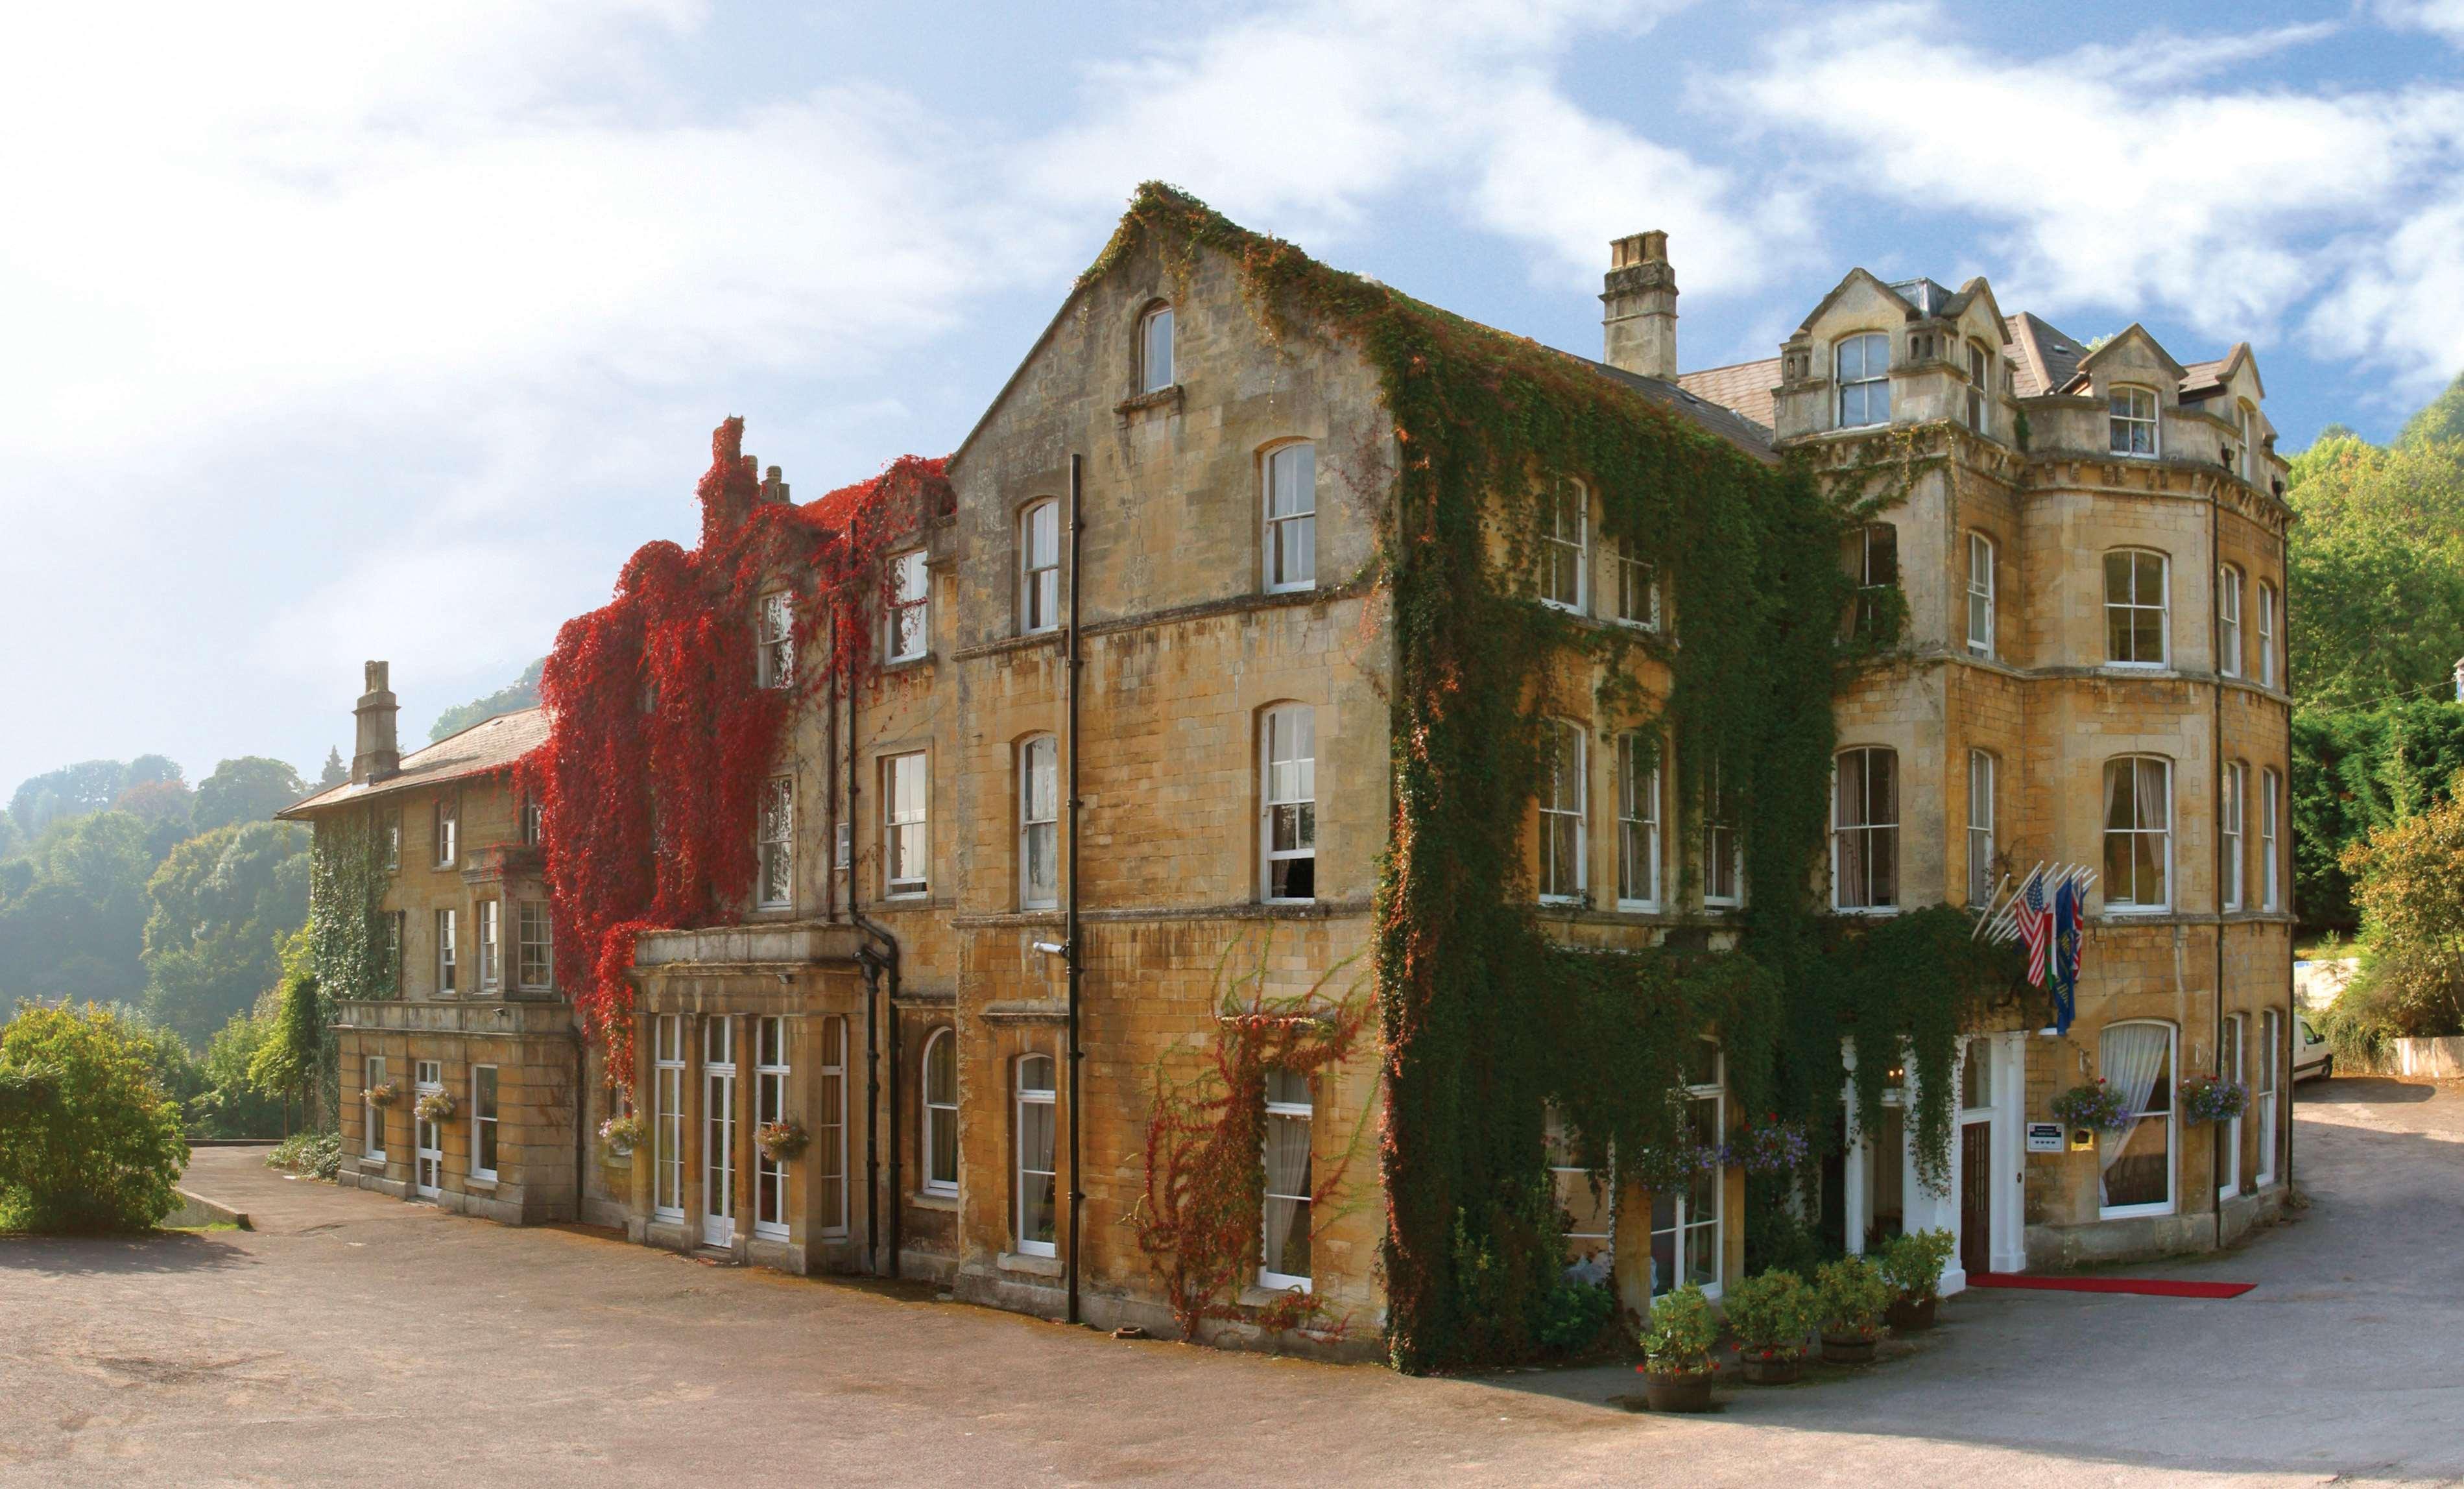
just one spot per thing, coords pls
(2132, 421)
(1864, 374)
(1980, 373)
(1154, 350)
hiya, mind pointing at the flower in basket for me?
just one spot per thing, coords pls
(1769, 1147)
(384, 1094)
(1772, 1315)
(1673, 1168)
(1855, 1295)
(779, 1141)
(2206, 1097)
(1681, 1334)
(2096, 1105)
(434, 1105)
(1912, 1262)
(622, 1134)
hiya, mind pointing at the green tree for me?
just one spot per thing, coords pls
(523, 693)
(336, 771)
(102, 1151)
(72, 912)
(231, 1105)
(219, 909)
(288, 1057)
(2408, 880)
(2443, 420)
(83, 788)
(249, 789)
(2376, 576)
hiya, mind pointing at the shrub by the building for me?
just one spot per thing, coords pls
(91, 1142)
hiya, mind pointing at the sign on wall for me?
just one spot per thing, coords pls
(2044, 1137)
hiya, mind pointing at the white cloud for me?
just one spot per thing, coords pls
(2444, 16)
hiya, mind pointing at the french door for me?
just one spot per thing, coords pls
(427, 1144)
(718, 1130)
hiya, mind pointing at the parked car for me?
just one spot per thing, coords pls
(2311, 1056)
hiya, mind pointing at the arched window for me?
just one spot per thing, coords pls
(2136, 1160)
(2228, 620)
(2132, 421)
(1038, 824)
(1155, 371)
(2137, 608)
(1036, 1175)
(1980, 595)
(1564, 802)
(1039, 565)
(1284, 1257)
(1565, 548)
(1864, 376)
(1866, 830)
(941, 1113)
(1288, 791)
(1291, 548)
(2138, 833)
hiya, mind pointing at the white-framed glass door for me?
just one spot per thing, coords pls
(718, 1130)
(2271, 1049)
(667, 1116)
(428, 1142)
(1037, 1172)
(2229, 1067)
(1686, 1225)
(770, 1104)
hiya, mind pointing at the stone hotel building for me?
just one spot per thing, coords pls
(2091, 671)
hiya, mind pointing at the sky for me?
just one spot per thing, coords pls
(331, 333)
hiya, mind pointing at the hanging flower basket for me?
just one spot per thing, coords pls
(780, 1141)
(2097, 1106)
(2210, 1098)
(384, 1095)
(621, 1135)
(1769, 1147)
(434, 1107)
(1666, 1169)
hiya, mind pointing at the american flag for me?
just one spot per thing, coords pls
(2036, 922)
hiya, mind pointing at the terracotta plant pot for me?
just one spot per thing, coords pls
(1775, 1369)
(1909, 1316)
(1847, 1350)
(1690, 1391)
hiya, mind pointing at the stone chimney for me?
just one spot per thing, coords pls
(1639, 318)
(378, 753)
(773, 489)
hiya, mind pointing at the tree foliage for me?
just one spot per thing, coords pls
(83, 789)
(73, 910)
(2376, 576)
(522, 693)
(2408, 880)
(219, 909)
(249, 789)
(97, 1146)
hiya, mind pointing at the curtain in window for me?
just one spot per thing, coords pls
(1287, 1190)
(2132, 1059)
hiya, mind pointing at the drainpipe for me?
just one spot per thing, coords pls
(581, 1109)
(838, 822)
(1069, 933)
(2216, 830)
(2284, 830)
(879, 956)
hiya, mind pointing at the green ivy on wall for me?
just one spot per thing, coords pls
(348, 948)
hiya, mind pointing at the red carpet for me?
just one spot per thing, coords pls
(2149, 1286)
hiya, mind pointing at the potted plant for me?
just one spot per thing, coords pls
(1772, 1316)
(1677, 1344)
(434, 1107)
(384, 1095)
(1912, 1264)
(621, 1135)
(1853, 1297)
(2208, 1098)
(779, 1141)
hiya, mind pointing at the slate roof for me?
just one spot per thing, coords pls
(1745, 387)
(2045, 358)
(486, 747)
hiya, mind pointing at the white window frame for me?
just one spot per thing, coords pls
(1873, 576)
(2266, 634)
(1984, 772)
(1720, 830)
(448, 979)
(2228, 620)
(1046, 1097)
(1039, 821)
(1637, 587)
(2263, 1092)
(2232, 1064)
(1157, 374)
(1638, 827)
(1039, 562)
(1684, 1225)
(389, 826)
(1293, 1111)
(1565, 808)
(485, 1125)
(447, 822)
(907, 615)
(492, 927)
(2172, 1125)
(532, 814)
(1854, 822)
(1860, 389)
(829, 1144)
(775, 660)
(1981, 609)
(2164, 833)
(1572, 1180)
(906, 825)
(2132, 422)
(1288, 798)
(774, 850)
(1980, 387)
(2270, 879)
(939, 1109)
(2131, 606)
(1288, 483)
(667, 1116)
(372, 1132)
(773, 1059)
(530, 916)
(1563, 558)
(2233, 793)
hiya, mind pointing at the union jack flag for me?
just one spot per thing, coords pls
(2036, 922)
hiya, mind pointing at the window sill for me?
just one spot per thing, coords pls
(891, 665)
(483, 1184)
(1168, 399)
(1030, 1266)
(1289, 589)
(1866, 911)
(1266, 1295)
(934, 1199)
(2136, 1211)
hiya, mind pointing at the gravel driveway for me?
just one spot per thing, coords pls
(357, 1340)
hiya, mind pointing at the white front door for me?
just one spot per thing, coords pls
(428, 1146)
(719, 1131)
